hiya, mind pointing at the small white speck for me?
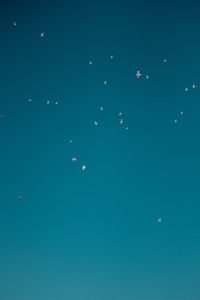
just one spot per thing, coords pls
(42, 34)
(14, 23)
(175, 121)
(159, 220)
(83, 167)
(70, 141)
(90, 63)
(111, 57)
(48, 101)
(74, 159)
(186, 89)
(121, 122)
(193, 86)
(147, 76)
(29, 100)
(95, 123)
(56, 102)
(120, 113)
(126, 128)
(105, 82)
(101, 108)
(181, 112)
(164, 60)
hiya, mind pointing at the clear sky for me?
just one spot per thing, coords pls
(93, 234)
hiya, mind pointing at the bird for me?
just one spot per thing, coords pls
(159, 220)
(42, 34)
(83, 167)
(138, 74)
(74, 159)
(95, 123)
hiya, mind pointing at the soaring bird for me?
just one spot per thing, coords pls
(138, 74)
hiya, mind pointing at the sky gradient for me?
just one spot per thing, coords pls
(93, 234)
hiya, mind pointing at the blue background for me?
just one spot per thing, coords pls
(94, 234)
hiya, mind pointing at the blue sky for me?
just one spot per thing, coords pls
(94, 234)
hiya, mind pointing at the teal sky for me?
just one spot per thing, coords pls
(93, 234)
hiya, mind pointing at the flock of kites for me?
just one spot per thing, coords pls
(138, 75)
